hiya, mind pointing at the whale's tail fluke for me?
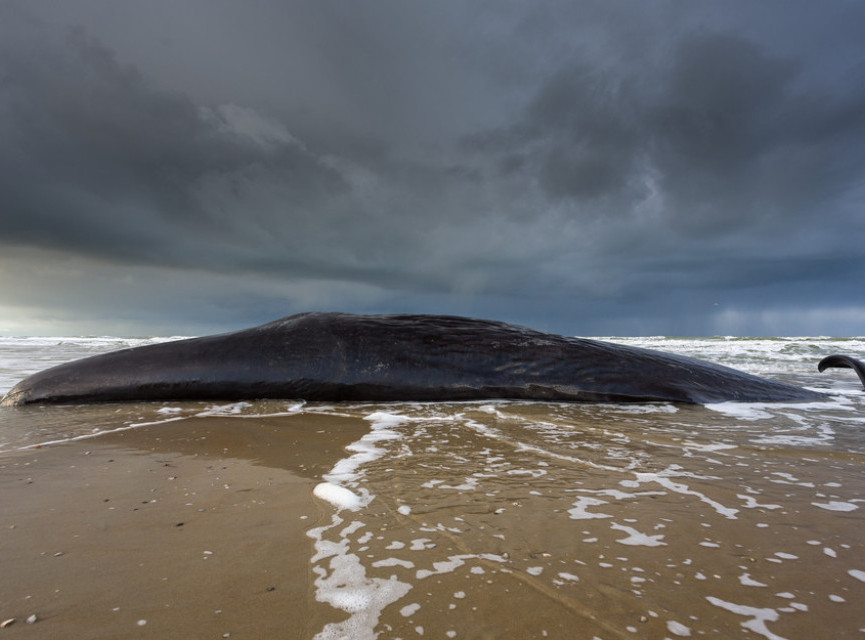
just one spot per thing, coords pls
(843, 361)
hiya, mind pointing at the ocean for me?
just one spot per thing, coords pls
(639, 520)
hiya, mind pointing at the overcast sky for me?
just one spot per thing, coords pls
(589, 168)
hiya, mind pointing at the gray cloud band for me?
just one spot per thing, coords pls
(592, 175)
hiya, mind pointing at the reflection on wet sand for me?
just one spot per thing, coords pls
(495, 522)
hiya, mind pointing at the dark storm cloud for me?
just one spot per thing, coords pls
(99, 161)
(721, 131)
(95, 160)
(574, 165)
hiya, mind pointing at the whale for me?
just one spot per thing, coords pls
(843, 362)
(347, 357)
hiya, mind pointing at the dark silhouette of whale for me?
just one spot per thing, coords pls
(335, 357)
(843, 362)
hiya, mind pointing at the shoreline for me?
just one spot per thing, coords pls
(485, 521)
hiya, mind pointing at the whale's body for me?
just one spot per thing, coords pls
(335, 357)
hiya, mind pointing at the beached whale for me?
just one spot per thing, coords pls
(336, 356)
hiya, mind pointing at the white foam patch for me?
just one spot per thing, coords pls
(534, 473)
(635, 538)
(497, 435)
(741, 410)
(678, 629)
(421, 544)
(663, 479)
(490, 409)
(752, 411)
(746, 580)
(708, 447)
(338, 496)
(469, 485)
(789, 440)
(751, 503)
(393, 562)
(385, 419)
(455, 562)
(365, 604)
(639, 409)
(759, 617)
(836, 506)
(579, 511)
(857, 573)
(231, 409)
(169, 410)
(365, 451)
(344, 585)
(618, 494)
(788, 478)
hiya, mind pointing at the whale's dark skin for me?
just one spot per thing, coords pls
(335, 357)
(843, 362)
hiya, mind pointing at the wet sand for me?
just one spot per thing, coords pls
(191, 529)
(500, 521)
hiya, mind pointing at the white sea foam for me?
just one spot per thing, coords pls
(751, 503)
(421, 544)
(455, 562)
(394, 562)
(758, 616)
(470, 484)
(857, 573)
(636, 538)
(344, 474)
(678, 629)
(746, 580)
(741, 410)
(708, 447)
(579, 512)
(338, 496)
(836, 505)
(344, 583)
(664, 479)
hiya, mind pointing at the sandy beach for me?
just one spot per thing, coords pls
(473, 521)
(194, 529)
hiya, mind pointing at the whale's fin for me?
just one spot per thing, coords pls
(843, 361)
